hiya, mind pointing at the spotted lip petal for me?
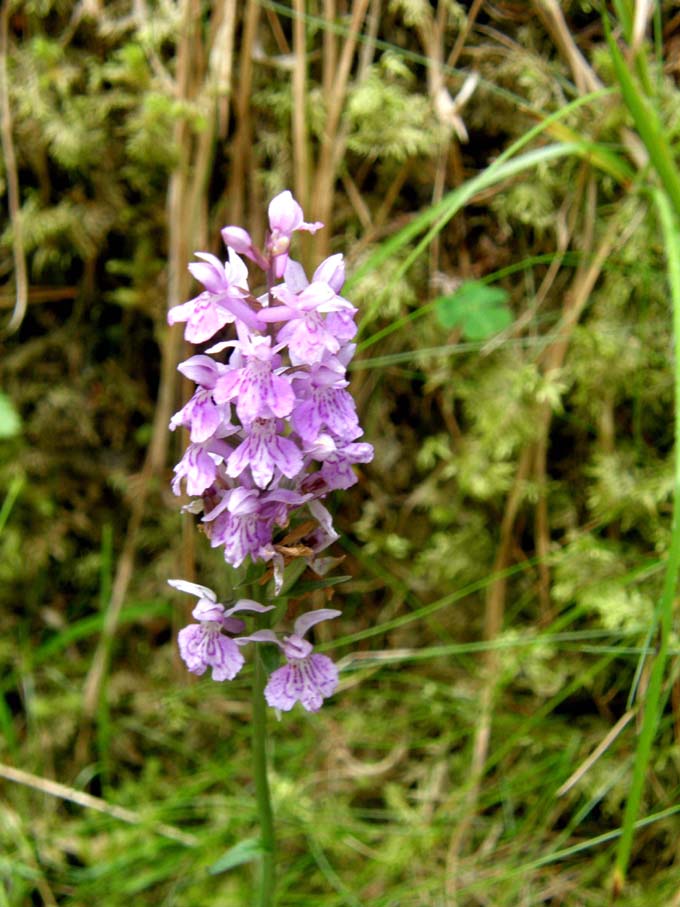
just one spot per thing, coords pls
(308, 682)
(203, 646)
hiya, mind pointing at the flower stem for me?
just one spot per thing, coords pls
(264, 806)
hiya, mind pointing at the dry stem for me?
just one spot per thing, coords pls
(55, 789)
(332, 146)
(187, 213)
(300, 147)
(18, 252)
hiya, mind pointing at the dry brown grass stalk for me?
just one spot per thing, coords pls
(332, 143)
(599, 750)
(87, 801)
(200, 78)
(555, 24)
(300, 139)
(240, 170)
(12, 176)
(330, 49)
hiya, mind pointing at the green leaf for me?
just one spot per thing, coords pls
(244, 852)
(479, 310)
(315, 584)
(647, 122)
(271, 657)
(10, 423)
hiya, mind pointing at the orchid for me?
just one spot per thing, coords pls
(220, 303)
(307, 677)
(273, 429)
(205, 645)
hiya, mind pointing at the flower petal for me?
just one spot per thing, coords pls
(193, 589)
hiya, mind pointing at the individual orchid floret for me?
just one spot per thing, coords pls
(324, 403)
(331, 271)
(239, 240)
(244, 520)
(265, 450)
(203, 645)
(221, 303)
(309, 335)
(325, 533)
(201, 414)
(319, 320)
(202, 370)
(199, 466)
(337, 459)
(308, 677)
(285, 218)
(257, 386)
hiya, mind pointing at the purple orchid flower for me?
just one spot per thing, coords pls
(337, 459)
(324, 402)
(308, 677)
(203, 645)
(201, 414)
(318, 320)
(239, 240)
(244, 520)
(222, 301)
(200, 466)
(265, 450)
(285, 218)
(255, 381)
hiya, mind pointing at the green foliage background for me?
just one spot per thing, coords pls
(507, 544)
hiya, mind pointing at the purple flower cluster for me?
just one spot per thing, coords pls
(307, 677)
(272, 429)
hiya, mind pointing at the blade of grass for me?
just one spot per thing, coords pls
(87, 801)
(442, 213)
(624, 12)
(575, 849)
(608, 162)
(439, 215)
(652, 708)
(81, 629)
(103, 717)
(647, 123)
(15, 489)
(420, 612)
(7, 728)
(6, 717)
(571, 258)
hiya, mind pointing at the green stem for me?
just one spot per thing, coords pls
(653, 700)
(264, 806)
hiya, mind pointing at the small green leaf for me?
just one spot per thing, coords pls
(315, 584)
(10, 423)
(271, 657)
(244, 852)
(480, 311)
(291, 574)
